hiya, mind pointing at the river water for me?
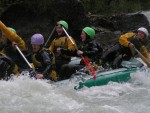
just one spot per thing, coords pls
(24, 95)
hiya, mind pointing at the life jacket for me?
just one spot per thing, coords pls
(137, 43)
(61, 42)
(39, 61)
(130, 52)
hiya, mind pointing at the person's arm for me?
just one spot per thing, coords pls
(13, 37)
(93, 49)
(47, 63)
(123, 40)
(144, 51)
(70, 50)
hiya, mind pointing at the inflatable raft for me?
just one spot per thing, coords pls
(82, 78)
(116, 75)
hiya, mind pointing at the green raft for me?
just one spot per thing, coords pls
(116, 75)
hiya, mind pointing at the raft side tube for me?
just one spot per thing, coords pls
(118, 75)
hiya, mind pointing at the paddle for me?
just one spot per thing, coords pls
(140, 54)
(50, 36)
(86, 62)
(32, 71)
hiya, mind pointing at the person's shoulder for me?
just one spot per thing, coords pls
(129, 33)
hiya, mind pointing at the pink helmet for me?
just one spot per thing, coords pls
(37, 39)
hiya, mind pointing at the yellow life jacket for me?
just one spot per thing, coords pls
(62, 42)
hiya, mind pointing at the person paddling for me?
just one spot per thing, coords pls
(9, 39)
(43, 60)
(126, 48)
(129, 41)
(89, 49)
(61, 41)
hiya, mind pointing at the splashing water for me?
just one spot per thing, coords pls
(24, 95)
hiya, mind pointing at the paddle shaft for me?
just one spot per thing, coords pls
(140, 54)
(69, 38)
(23, 56)
(50, 36)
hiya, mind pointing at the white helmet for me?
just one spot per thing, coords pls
(144, 30)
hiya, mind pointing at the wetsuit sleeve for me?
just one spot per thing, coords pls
(144, 51)
(47, 63)
(93, 49)
(13, 37)
(123, 40)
